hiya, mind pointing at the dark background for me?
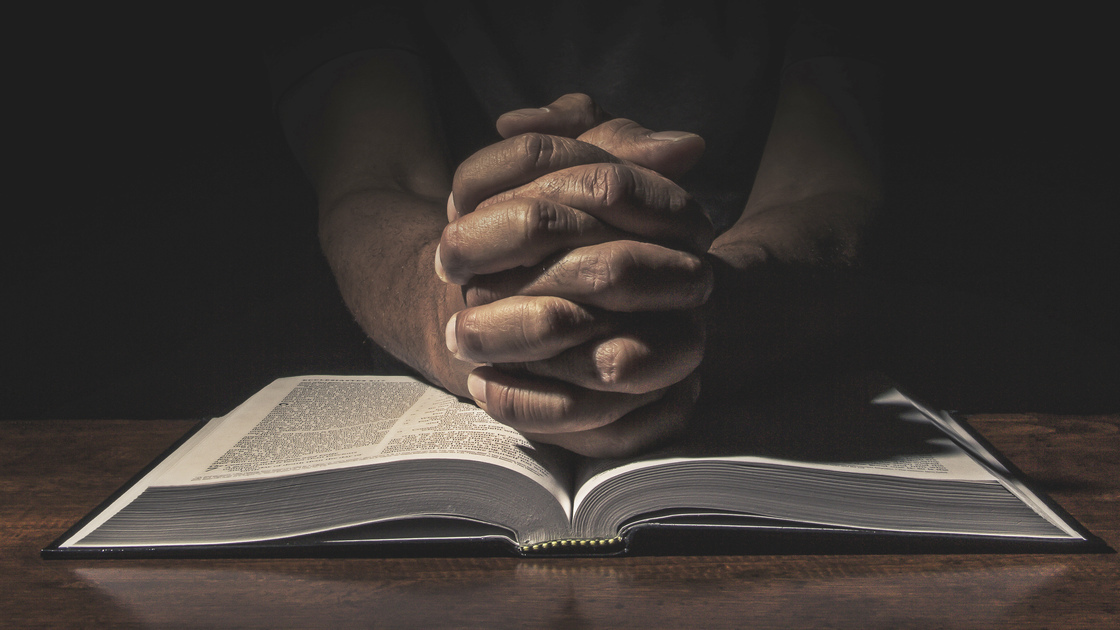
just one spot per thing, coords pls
(160, 257)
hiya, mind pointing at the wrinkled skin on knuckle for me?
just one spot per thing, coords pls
(651, 361)
(611, 128)
(625, 270)
(521, 329)
(533, 151)
(663, 193)
(480, 179)
(611, 184)
(598, 269)
(542, 219)
(612, 363)
(504, 404)
(529, 410)
(645, 202)
(542, 153)
(611, 266)
(619, 275)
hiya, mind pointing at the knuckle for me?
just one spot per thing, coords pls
(503, 403)
(535, 149)
(629, 366)
(583, 108)
(580, 99)
(609, 363)
(618, 130)
(610, 183)
(527, 409)
(669, 198)
(599, 269)
(616, 136)
(540, 219)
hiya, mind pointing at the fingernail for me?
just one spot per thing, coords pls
(528, 112)
(450, 336)
(671, 136)
(477, 387)
(440, 271)
(452, 213)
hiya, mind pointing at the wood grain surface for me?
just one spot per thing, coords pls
(53, 472)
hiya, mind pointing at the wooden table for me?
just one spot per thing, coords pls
(52, 473)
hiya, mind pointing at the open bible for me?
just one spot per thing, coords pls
(391, 465)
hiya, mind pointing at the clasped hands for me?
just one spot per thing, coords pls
(583, 272)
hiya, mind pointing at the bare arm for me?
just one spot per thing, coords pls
(374, 157)
(373, 152)
(819, 180)
(788, 297)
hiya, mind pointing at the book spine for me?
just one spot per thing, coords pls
(575, 545)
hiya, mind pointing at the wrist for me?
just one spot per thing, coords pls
(824, 232)
(381, 246)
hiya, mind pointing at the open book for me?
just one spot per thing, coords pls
(324, 461)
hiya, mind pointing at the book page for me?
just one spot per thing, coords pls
(940, 459)
(306, 424)
(818, 431)
(820, 446)
(305, 452)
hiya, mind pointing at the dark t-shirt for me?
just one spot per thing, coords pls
(711, 68)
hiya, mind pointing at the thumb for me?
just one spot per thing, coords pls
(567, 116)
(670, 153)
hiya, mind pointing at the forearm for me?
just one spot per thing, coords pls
(372, 150)
(786, 301)
(819, 182)
(380, 245)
